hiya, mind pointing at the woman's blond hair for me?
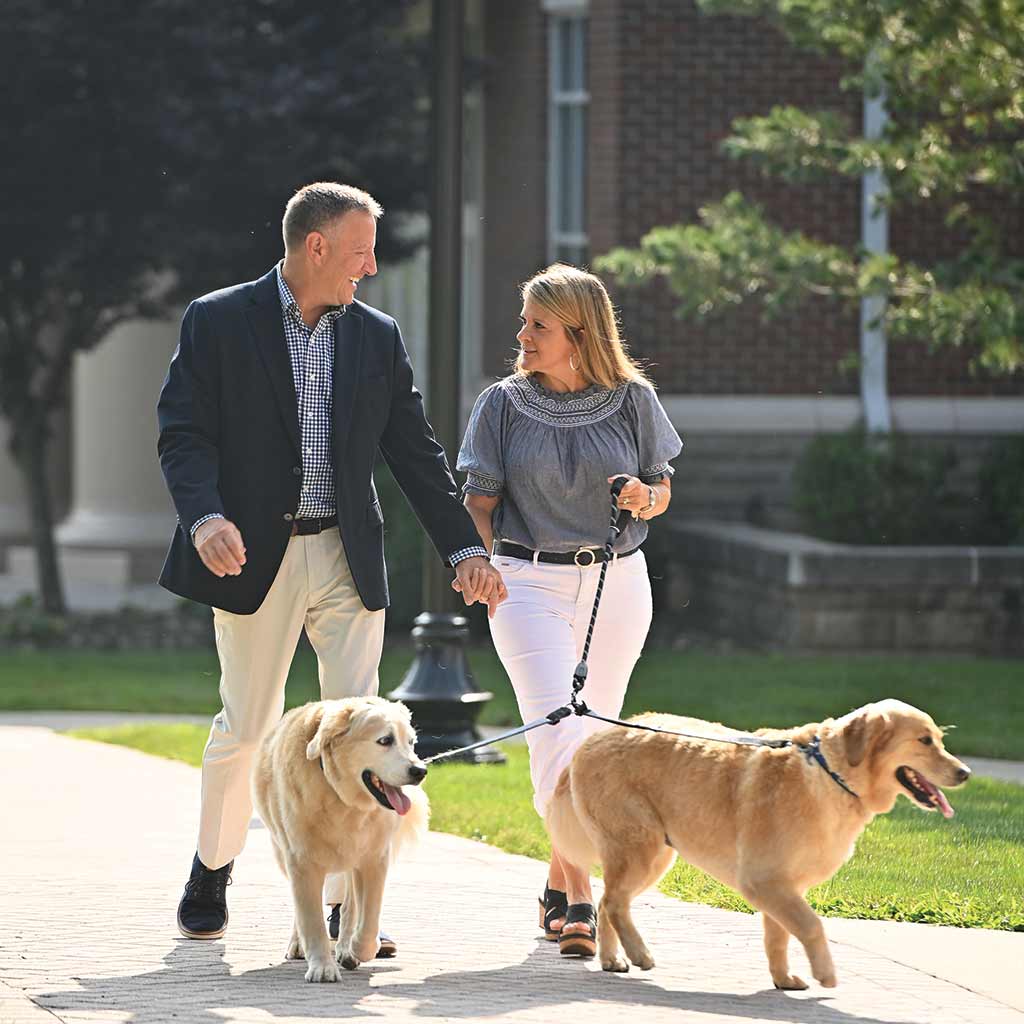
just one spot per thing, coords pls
(580, 303)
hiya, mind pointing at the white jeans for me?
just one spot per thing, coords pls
(539, 632)
(313, 588)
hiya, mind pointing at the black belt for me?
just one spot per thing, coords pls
(581, 557)
(307, 526)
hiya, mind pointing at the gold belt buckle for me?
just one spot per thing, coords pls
(584, 551)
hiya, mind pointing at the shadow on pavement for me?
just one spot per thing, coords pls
(196, 987)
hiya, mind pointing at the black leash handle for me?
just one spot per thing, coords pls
(579, 677)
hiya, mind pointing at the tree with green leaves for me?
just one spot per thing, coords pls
(150, 148)
(952, 74)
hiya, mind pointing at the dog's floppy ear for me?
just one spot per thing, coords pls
(332, 725)
(863, 731)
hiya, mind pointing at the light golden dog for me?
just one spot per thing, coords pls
(328, 784)
(770, 823)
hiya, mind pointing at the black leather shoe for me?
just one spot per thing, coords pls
(203, 910)
(388, 947)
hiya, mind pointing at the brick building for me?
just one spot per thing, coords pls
(590, 122)
(604, 119)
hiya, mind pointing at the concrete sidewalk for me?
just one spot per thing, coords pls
(97, 842)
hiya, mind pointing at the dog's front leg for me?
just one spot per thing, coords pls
(776, 945)
(775, 899)
(368, 884)
(307, 887)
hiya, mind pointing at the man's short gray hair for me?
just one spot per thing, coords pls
(315, 206)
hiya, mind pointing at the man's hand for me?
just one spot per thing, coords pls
(219, 545)
(477, 580)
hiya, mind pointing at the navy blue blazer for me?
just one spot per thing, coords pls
(230, 443)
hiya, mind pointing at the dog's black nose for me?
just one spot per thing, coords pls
(963, 775)
(417, 774)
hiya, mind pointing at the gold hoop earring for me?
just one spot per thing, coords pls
(575, 369)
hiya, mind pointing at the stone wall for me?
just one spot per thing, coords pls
(185, 626)
(766, 588)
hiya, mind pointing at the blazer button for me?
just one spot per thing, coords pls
(288, 517)
(297, 470)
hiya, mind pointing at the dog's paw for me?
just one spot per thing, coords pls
(790, 983)
(616, 964)
(828, 980)
(644, 961)
(326, 971)
(349, 962)
(294, 950)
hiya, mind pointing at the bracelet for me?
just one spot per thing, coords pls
(652, 503)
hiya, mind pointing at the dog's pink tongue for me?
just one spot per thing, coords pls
(944, 804)
(939, 797)
(398, 800)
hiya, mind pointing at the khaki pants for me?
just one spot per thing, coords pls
(313, 588)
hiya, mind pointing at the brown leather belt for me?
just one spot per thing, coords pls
(306, 526)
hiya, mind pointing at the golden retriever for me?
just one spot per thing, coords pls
(328, 784)
(770, 823)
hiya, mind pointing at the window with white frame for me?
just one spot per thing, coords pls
(567, 130)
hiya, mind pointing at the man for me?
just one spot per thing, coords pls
(277, 400)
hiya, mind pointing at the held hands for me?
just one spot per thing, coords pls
(219, 544)
(636, 497)
(477, 580)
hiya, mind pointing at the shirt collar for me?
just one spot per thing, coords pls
(291, 308)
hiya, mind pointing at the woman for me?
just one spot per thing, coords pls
(540, 451)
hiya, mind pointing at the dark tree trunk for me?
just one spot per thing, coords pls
(29, 450)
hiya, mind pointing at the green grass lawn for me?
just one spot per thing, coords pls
(984, 698)
(909, 865)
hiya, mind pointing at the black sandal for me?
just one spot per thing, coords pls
(553, 905)
(579, 943)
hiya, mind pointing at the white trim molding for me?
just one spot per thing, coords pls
(814, 414)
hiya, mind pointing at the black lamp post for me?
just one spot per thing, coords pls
(439, 688)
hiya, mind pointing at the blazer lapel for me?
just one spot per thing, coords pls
(264, 314)
(348, 357)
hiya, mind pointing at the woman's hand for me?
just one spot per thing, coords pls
(637, 497)
(477, 580)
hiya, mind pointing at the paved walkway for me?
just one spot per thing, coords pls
(95, 841)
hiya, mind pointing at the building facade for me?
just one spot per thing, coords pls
(590, 122)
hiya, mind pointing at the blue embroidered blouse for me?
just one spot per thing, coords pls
(548, 455)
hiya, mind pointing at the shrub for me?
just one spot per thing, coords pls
(1001, 492)
(858, 488)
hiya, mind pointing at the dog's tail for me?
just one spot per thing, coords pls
(565, 828)
(412, 826)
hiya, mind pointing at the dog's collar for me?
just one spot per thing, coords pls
(812, 751)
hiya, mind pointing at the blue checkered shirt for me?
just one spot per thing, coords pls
(311, 352)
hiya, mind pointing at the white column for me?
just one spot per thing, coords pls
(121, 515)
